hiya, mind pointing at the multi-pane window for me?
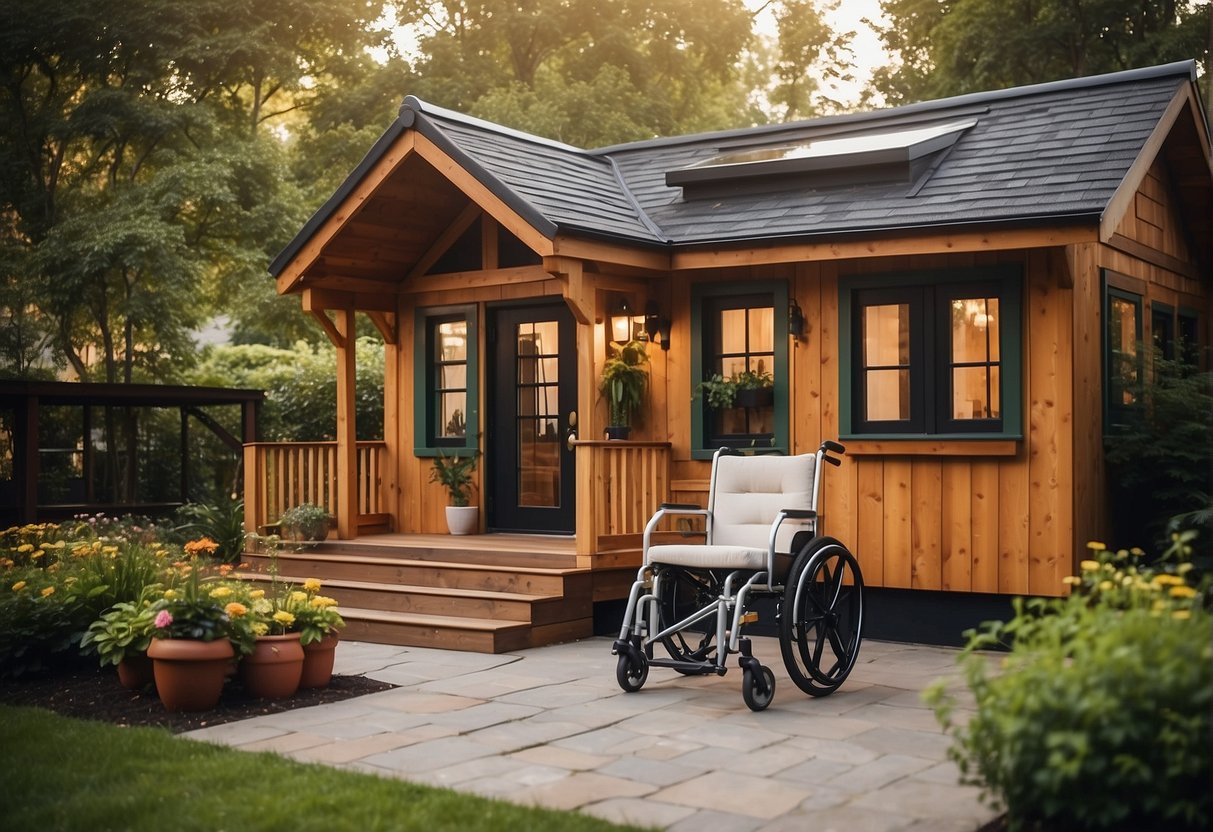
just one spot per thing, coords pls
(740, 337)
(931, 359)
(449, 343)
(445, 370)
(1122, 356)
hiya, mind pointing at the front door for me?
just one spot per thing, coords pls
(532, 401)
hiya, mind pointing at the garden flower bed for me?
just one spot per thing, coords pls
(108, 589)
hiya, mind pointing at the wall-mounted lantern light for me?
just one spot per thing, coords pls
(797, 326)
(656, 325)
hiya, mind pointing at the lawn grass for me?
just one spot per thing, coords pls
(58, 773)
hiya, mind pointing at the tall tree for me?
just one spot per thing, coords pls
(142, 161)
(589, 71)
(950, 47)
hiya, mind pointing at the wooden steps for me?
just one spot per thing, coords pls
(497, 594)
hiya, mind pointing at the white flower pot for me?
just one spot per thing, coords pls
(463, 519)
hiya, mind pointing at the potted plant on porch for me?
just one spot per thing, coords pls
(623, 383)
(454, 473)
(305, 522)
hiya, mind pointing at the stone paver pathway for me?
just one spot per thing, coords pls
(550, 727)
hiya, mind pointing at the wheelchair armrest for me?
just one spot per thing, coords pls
(680, 507)
(798, 513)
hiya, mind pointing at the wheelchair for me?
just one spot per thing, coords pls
(761, 541)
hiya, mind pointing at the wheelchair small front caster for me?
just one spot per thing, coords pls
(757, 689)
(631, 670)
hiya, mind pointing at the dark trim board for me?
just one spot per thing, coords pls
(924, 616)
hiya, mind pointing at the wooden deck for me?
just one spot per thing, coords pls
(484, 593)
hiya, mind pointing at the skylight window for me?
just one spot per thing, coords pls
(863, 150)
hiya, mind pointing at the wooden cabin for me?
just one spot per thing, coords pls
(955, 289)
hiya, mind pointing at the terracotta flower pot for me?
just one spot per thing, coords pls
(190, 674)
(135, 672)
(318, 662)
(273, 669)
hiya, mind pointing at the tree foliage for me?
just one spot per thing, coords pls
(951, 47)
(140, 174)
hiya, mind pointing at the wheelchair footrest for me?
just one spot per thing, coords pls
(691, 668)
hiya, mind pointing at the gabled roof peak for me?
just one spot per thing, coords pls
(412, 106)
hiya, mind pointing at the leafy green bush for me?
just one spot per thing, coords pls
(1161, 466)
(1099, 716)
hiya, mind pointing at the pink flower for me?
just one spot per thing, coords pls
(163, 619)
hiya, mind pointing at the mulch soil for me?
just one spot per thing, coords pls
(91, 692)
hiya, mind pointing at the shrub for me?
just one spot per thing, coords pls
(1099, 716)
(1161, 466)
(56, 580)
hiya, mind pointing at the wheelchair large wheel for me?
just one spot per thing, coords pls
(821, 617)
(682, 593)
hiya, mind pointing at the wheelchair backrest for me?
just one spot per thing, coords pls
(747, 492)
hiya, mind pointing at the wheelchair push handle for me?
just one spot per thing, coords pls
(828, 446)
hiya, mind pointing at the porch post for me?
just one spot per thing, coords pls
(347, 447)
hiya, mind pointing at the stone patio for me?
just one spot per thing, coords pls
(550, 727)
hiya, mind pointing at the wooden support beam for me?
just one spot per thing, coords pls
(317, 298)
(475, 280)
(445, 240)
(578, 293)
(385, 322)
(347, 437)
(893, 245)
(330, 329)
(654, 259)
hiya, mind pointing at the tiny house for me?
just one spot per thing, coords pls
(955, 289)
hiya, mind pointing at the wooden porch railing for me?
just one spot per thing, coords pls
(620, 485)
(279, 475)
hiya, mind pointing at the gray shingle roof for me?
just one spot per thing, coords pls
(1046, 152)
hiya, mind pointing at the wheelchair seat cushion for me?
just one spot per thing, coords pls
(699, 556)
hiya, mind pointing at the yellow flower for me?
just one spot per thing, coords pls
(262, 606)
(322, 601)
(312, 585)
(1164, 579)
(170, 594)
(109, 550)
(1096, 546)
(37, 555)
(257, 593)
(1071, 580)
(298, 597)
(1183, 592)
(1089, 565)
(221, 592)
(1105, 585)
(284, 618)
(69, 581)
(260, 628)
(48, 591)
(1182, 615)
(20, 585)
(236, 610)
(25, 547)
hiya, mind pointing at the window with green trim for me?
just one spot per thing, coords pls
(446, 379)
(931, 354)
(1123, 360)
(740, 338)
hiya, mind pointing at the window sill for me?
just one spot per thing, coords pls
(935, 446)
(445, 450)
